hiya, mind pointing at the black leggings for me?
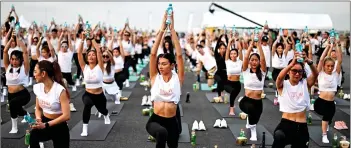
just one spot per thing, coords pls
(290, 132)
(221, 80)
(275, 73)
(68, 77)
(325, 108)
(120, 78)
(32, 64)
(128, 61)
(75, 58)
(163, 130)
(17, 101)
(253, 108)
(137, 57)
(59, 134)
(89, 101)
(3, 77)
(234, 88)
(179, 119)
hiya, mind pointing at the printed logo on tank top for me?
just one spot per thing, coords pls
(328, 81)
(44, 103)
(166, 90)
(13, 76)
(92, 76)
(295, 95)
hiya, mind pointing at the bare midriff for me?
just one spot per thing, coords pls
(52, 116)
(234, 77)
(15, 88)
(254, 94)
(95, 91)
(299, 117)
(327, 95)
(165, 109)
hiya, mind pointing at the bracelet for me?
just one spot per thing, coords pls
(162, 30)
(310, 62)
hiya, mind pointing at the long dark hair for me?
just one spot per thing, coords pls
(167, 56)
(258, 69)
(108, 63)
(86, 56)
(234, 49)
(170, 45)
(19, 55)
(276, 52)
(53, 71)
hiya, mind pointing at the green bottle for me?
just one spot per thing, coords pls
(309, 118)
(242, 133)
(195, 87)
(193, 138)
(335, 141)
(151, 111)
(7, 106)
(27, 137)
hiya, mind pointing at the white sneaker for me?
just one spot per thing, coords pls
(346, 96)
(144, 101)
(127, 83)
(85, 130)
(24, 121)
(99, 115)
(202, 126)
(74, 88)
(107, 119)
(14, 128)
(223, 124)
(41, 144)
(312, 107)
(217, 123)
(117, 99)
(325, 139)
(2, 99)
(253, 133)
(195, 126)
(77, 82)
(149, 101)
(30, 81)
(72, 108)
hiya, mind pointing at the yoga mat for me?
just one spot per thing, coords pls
(236, 128)
(133, 78)
(205, 87)
(6, 128)
(131, 85)
(316, 135)
(223, 110)
(341, 102)
(345, 110)
(97, 131)
(111, 107)
(181, 110)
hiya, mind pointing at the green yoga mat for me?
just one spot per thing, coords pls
(133, 78)
(205, 87)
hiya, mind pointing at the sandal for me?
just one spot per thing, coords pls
(343, 124)
(337, 125)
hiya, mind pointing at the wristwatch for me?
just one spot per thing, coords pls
(310, 62)
(47, 125)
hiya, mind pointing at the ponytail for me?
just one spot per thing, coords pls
(57, 77)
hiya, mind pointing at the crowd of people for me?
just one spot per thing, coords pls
(103, 56)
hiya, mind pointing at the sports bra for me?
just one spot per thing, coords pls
(93, 77)
(119, 62)
(49, 102)
(166, 91)
(251, 81)
(234, 68)
(109, 76)
(294, 98)
(328, 82)
(17, 76)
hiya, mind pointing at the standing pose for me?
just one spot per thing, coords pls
(294, 101)
(221, 73)
(165, 91)
(328, 79)
(52, 103)
(254, 71)
(47, 51)
(93, 73)
(128, 52)
(109, 85)
(16, 78)
(233, 61)
(278, 59)
(206, 62)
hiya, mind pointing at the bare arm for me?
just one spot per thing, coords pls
(6, 54)
(311, 80)
(80, 54)
(240, 50)
(228, 49)
(99, 55)
(66, 113)
(321, 60)
(246, 58)
(262, 57)
(38, 46)
(179, 56)
(25, 55)
(339, 58)
(38, 110)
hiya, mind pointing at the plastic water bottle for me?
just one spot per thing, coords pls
(29, 119)
(298, 47)
(102, 41)
(337, 36)
(45, 29)
(335, 141)
(53, 20)
(256, 34)
(17, 28)
(242, 133)
(332, 36)
(87, 27)
(27, 138)
(233, 30)
(115, 30)
(127, 21)
(169, 14)
(306, 30)
(12, 7)
(280, 32)
(193, 138)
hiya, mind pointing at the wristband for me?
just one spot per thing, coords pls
(47, 125)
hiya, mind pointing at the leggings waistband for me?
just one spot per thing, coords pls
(21, 92)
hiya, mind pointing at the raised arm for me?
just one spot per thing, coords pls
(280, 79)
(274, 46)
(6, 54)
(246, 58)
(121, 49)
(338, 57)
(38, 46)
(52, 51)
(153, 64)
(25, 55)
(179, 56)
(69, 41)
(240, 50)
(311, 80)
(262, 57)
(321, 60)
(80, 53)
(228, 49)
(98, 55)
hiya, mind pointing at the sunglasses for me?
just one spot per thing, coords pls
(295, 71)
(105, 56)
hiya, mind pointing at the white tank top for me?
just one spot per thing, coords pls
(128, 47)
(234, 68)
(93, 77)
(49, 102)
(119, 62)
(289, 56)
(294, 98)
(138, 48)
(111, 75)
(41, 58)
(65, 60)
(267, 55)
(328, 82)
(166, 91)
(33, 50)
(17, 77)
(207, 60)
(251, 81)
(278, 63)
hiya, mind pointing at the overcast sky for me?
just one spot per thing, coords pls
(138, 12)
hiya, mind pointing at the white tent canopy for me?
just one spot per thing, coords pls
(275, 20)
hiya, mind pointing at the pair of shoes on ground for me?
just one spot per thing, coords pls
(72, 108)
(220, 123)
(217, 100)
(41, 144)
(146, 101)
(145, 83)
(346, 97)
(198, 126)
(340, 125)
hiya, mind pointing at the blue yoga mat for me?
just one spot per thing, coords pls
(205, 87)
(133, 78)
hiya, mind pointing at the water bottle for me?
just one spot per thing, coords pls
(280, 32)
(115, 29)
(242, 133)
(309, 118)
(52, 19)
(27, 138)
(187, 97)
(169, 14)
(256, 34)
(332, 36)
(127, 21)
(45, 28)
(87, 26)
(29, 119)
(298, 47)
(233, 30)
(13, 7)
(263, 143)
(335, 141)
(306, 30)
(17, 28)
(337, 36)
(102, 41)
(193, 138)
(225, 29)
